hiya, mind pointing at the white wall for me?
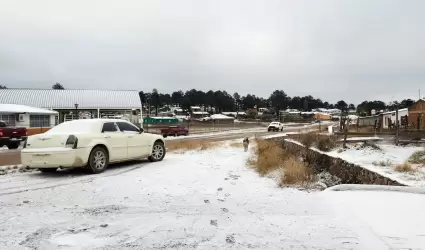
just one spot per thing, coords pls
(26, 121)
(400, 114)
(385, 119)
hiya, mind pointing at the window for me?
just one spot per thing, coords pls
(124, 126)
(8, 119)
(39, 121)
(109, 127)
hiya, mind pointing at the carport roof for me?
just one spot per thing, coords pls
(67, 98)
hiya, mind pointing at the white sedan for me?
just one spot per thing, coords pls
(90, 143)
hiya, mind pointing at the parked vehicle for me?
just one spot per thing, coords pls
(12, 136)
(275, 126)
(90, 143)
(175, 130)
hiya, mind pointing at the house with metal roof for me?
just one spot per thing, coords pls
(36, 120)
(68, 102)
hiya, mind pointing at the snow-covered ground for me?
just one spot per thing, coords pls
(383, 161)
(198, 200)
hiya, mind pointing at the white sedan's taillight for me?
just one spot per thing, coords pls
(71, 142)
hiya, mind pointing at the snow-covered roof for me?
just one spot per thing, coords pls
(234, 113)
(15, 109)
(67, 98)
(162, 117)
(391, 112)
(221, 117)
(200, 113)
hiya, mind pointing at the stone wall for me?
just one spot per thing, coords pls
(349, 173)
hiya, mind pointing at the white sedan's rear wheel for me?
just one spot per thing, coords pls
(98, 160)
(158, 152)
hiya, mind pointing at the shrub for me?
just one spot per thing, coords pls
(417, 157)
(370, 145)
(383, 163)
(326, 143)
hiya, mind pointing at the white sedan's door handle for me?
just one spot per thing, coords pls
(130, 136)
(107, 136)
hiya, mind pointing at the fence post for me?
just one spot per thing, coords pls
(345, 136)
(397, 128)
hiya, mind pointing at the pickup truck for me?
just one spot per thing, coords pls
(12, 136)
(275, 126)
(174, 130)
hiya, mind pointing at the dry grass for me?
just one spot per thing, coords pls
(383, 163)
(417, 157)
(295, 173)
(188, 145)
(236, 144)
(308, 139)
(270, 156)
(324, 143)
(405, 168)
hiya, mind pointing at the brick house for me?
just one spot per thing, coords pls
(416, 114)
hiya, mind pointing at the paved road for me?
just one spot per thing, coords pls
(12, 157)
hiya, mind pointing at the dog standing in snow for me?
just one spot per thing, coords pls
(245, 144)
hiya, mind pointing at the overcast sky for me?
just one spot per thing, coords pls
(332, 49)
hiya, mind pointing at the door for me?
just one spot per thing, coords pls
(116, 142)
(137, 146)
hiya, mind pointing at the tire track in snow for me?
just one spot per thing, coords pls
(61, 182)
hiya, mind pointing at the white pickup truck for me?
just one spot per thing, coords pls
(275, 126)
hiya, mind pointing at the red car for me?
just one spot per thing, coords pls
(12, 136)
(174, 130)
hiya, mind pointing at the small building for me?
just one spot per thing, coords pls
(199, 114)
(36, 120)
(389, 119)
(296, 116)
(322, 116)
(416, 115)
(78, 103)
(368, 120)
